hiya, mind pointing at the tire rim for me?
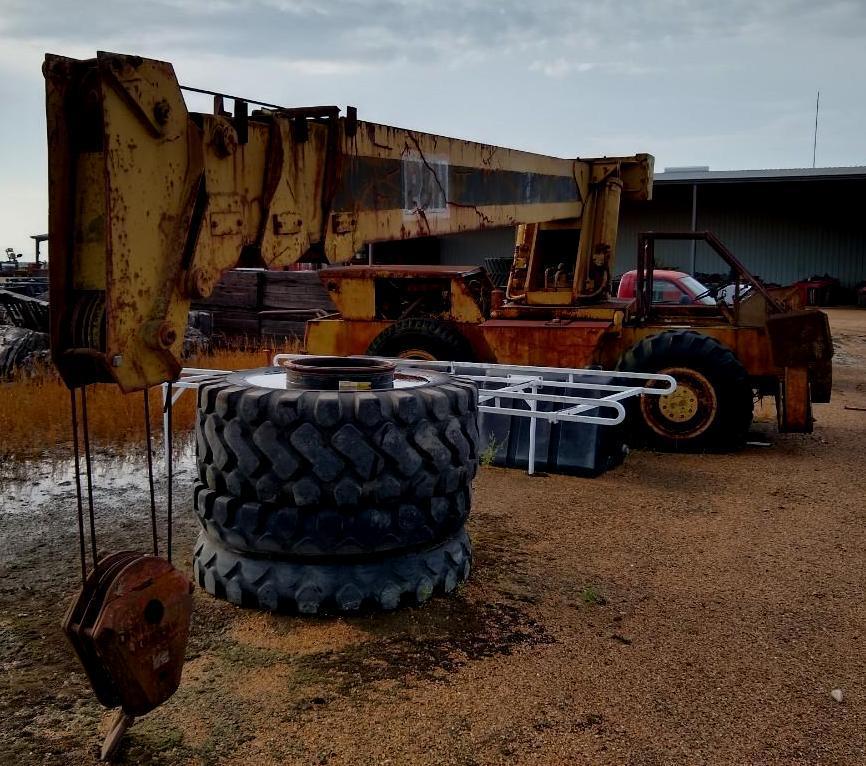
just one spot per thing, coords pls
(275, 377)
(417, 353)
(687, 412)
(340, 373)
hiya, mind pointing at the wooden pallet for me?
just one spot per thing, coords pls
(268, 305)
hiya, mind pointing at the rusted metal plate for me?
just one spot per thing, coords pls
(794, 406)
(390, 272)
(141, 632)
(545, 343)
(749, 344)
(338, 337)
(79, 620)
(800, 338)
(129, 626)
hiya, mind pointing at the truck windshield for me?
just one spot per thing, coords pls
(696, 288)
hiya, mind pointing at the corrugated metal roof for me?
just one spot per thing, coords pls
(768, 175)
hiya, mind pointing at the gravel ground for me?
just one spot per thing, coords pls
(680, 609)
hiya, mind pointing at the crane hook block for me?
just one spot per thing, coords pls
(129, 626)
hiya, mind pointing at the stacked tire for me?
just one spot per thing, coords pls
(319, 501)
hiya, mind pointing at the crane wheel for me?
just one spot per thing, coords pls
(407, 578)
(424, 339)
(712, 406)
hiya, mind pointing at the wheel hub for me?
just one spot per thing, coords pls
(688, 411)
(355, 378)
(354, 373)
(680, 406)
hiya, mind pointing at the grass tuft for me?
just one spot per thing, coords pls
(488, 454)
(592, 596)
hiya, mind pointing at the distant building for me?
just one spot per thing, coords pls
(785, 225)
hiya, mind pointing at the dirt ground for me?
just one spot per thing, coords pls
(680, 609)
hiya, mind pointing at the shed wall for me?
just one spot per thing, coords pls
(782, 231)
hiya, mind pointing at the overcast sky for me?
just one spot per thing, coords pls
(725, 83)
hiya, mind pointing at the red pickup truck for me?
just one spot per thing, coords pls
(669, 287)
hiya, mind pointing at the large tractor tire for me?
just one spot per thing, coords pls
(341, 451)
(19, 349)
(331, 490)
(424, 339)
(335, 586)
(712, 406)
(311, 532)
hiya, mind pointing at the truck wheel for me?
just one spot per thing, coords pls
(421, 339)
(712, 406)
(350, 586)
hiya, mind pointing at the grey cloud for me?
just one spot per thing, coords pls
(444, 32)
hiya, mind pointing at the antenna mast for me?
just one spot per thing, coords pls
(815, 135)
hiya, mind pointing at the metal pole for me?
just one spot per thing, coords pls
(533, 404)
(815, 135)
(167, 404)
(694, 224)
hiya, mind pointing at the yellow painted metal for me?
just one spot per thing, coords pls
(89, 270)
(593, 260)
(594, 256)
(519, 278)
(334, 337)
(795, 410)
(681, 405)
(549, 297)
(150, 204)
(118, 181)
(354, 298)
(464, 308)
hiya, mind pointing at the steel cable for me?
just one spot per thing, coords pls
(89, 474)
(75, 447)
(149, 436)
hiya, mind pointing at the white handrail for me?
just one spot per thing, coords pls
(520, 383)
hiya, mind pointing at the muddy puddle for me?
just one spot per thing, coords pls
(26, 484)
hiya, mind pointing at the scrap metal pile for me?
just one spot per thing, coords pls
(23, 332)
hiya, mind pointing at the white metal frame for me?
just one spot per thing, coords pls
(504, 382)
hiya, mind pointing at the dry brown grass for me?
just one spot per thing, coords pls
(35, 410)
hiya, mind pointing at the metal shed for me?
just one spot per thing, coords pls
(785, 225)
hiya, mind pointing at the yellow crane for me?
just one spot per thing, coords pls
(150, 203)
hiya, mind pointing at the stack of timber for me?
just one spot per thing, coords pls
(272, 306)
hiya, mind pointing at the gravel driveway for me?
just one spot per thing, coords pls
(680, 609)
